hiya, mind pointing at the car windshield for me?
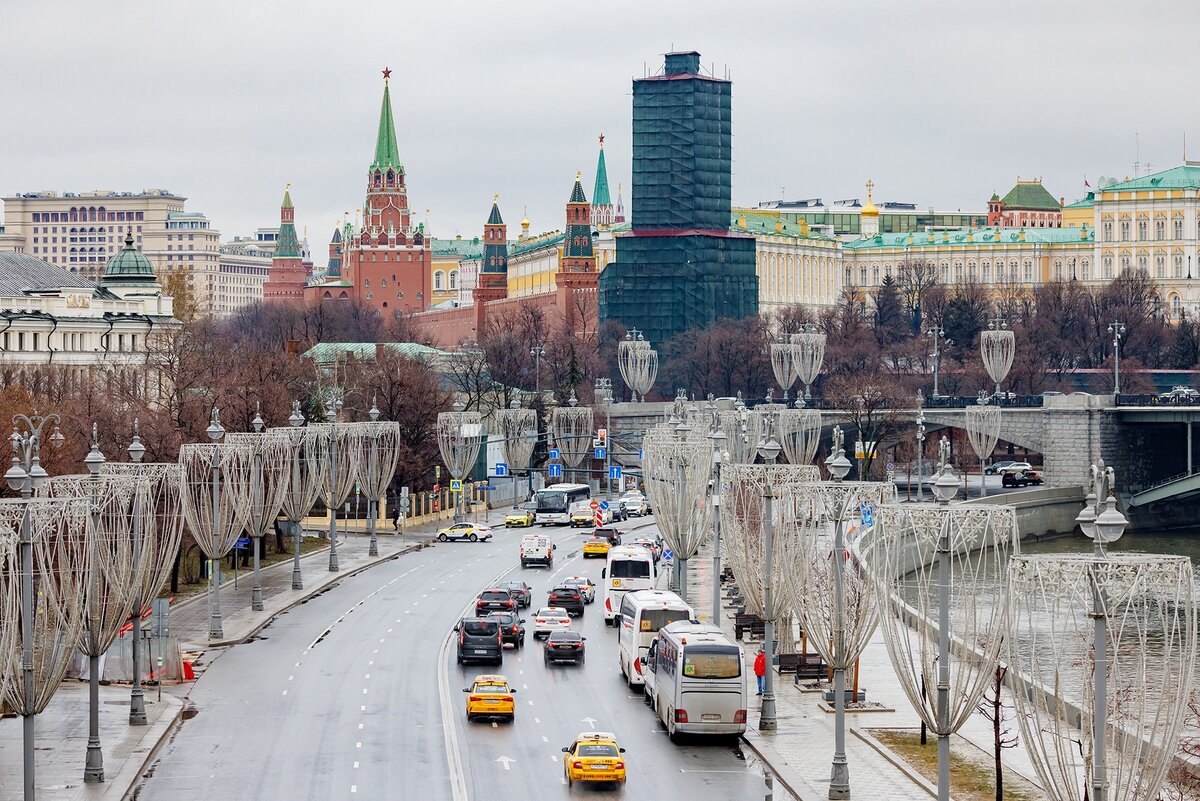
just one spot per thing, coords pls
(629, 568)
(550, 613)
(591, 750)
(489, 688)
(565, 591)
(712, 662)
(481, 628)
(565, 636)
(504, 617)
(495, 595)
(655, 619)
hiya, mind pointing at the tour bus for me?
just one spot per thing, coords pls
(629, 568)
(699, 686)
(643, 613)
(554, 503)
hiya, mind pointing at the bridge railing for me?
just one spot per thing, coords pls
(1157, 400)
(1007, 401)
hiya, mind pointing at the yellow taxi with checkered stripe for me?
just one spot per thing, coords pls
(594, 757)
(490, 696)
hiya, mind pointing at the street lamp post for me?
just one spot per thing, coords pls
(26, 475)
(333, 405)
(295, 421)
(936, 334)
(537, 352)
(1117, 330)
(769, 450)
(718, 437)
(604, 397)
(920, 451)
(839, 783)
(137, 701)
(215, 432)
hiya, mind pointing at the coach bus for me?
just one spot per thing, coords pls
(554, 503)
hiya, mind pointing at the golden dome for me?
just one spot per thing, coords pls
(870, 210)
(525, 223)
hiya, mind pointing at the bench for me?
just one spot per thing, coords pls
(809, 666)
(749, 622)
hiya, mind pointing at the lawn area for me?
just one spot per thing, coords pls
(972, 775)
(186, 590)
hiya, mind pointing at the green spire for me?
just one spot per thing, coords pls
(386, 153)
(287, 245)
(494, 218)
(600, 192)
(577, 192)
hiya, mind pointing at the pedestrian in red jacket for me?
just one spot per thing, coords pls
(760, 670)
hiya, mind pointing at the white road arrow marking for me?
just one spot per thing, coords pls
(506, 761)
(591, 722)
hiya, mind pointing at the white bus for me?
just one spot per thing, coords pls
(698, 679)
(554, 502)
(629, 568)
(643, 613)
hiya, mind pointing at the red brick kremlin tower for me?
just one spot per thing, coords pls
(386, 263)
(576, 276)
(287, 276)
(493, 277)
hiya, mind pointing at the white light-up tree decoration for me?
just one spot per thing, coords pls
(809, 357)
(638, 363)
(572, 431)
(997, 345)
(799, 432)
(459, 435)
(983, 432)
(676, 475)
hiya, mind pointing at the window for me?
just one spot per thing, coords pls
(1058, 270)
(1124, 230)
(1028, 271)
(1160, 229)
(1141, 228)
(1160, 266)
(987, 273)
(1178, 226)
(1106, 233)
(454, 279)
(1179, 266)
(438, 277)
(1085, 270)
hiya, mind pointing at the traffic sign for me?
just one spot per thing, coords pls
(640, 457)
(554, 470)
(614, 471)
(555, 454)
(456, 485)
(243, 542)
(501, 469)
(604, 504)
(594, 505)
(486, 488)
(599, 453)
(668, 554)
(891, 468)
(599, 519)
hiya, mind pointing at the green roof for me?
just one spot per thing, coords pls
(1186, 176)
(757, 224)
(980, 237)
(1031, 195)
(387, 154)
(337, 234)
(525, 247)
(287, 245)
(287, 198)
(456, 247)
(600, 195)
(1085, 203)
(577, 193)
(129, 266)
(328, 352)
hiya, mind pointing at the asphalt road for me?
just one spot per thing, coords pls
(346, 695)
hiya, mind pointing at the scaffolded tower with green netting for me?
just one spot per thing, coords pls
(680, 266)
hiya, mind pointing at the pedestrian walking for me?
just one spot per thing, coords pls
(760, 670)
(396, 515)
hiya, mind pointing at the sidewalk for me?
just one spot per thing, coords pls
(800, 749)
(62, 734)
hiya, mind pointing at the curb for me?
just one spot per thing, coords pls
(791, 780)
(120, 789)
(895, 761)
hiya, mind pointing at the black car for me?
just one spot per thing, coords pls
(568, 598)
(618, 511)
(494, 600)
(521, 592)
(1020, 479)
(479, 641)
(512, 627)
(564, 646)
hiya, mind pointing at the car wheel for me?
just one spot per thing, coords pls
(459, 657)
(470, 718)
(581, 658)
(473, 537)
(442, 538)
(546, 660)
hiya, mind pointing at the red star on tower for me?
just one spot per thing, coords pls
(387, 73)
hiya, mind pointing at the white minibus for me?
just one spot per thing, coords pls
(643, 613)
(629, 568)
(699, 684)
(554, 503)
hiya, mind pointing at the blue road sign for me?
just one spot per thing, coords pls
(614, 471)
(501, 469)
(599, 453)
(554, 470)
(604, 504)
(640, 457)
(455, 485)
(554, 453)
(668, 555)
(244, 542)
(486, 488)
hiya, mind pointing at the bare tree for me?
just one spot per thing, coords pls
(993, 708)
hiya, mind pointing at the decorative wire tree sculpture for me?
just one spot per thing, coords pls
(378, 456)
(305, 478)
(518, 430)
(54, 557)
(783, 364)
(983, 431)
(157, 533)
(676, 475)
(809, 357)
(761, 418)
(459, 436)
(939, 573)
(638, 363)
(216, 504)
(269, 475)
(1115, 634)
(736, 425)
(336, 450)
(997, 345)
(799, 432)
(572, 431)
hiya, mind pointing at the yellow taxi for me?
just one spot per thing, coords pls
(489, 696)
(520, 517)
(594, 757)
(583, 516)
(596, 546)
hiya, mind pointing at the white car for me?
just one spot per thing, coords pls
(635, 503)
(548, 619)
(587, 588)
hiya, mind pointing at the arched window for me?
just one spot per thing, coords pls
(1160, 229)
(1178, 266)
(1108, 268)
(366, 282)
(1176, 309)
(1160, 266)
(438, 278)
(1058, 273)
(1178, 226)
(1085, 270)
(454, 279)
(1106, 231)
(1142, 230)
(1124, 230)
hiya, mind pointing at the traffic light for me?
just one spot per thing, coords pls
(601, 440)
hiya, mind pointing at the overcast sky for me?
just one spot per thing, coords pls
(938, 103)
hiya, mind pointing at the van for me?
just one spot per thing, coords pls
(537, 549)
(643, 613)
(479, 640)
(629, 568)
(699, 681)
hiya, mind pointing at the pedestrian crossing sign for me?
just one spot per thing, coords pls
(456, 485)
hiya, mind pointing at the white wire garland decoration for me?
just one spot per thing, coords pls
(112, 582)
(270, 472)
(997, 347)
(10, 607)
(737, 437)
(160, 521)
(216, 534)
(459, 435)
(61, 565)
(1149, 603)
(783, 364)
(809, 356)
(515, 426)
(378, 456)
(799, 433)
(808, 555)
(573, 433)
(676, 475)
(983, 429)
(337, 441)
(306, 473)
(638, 364)
(901, 556)
(742, 517)
(757, 422)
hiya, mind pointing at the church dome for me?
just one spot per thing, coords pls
(129, 266)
